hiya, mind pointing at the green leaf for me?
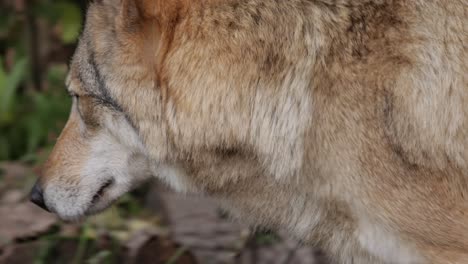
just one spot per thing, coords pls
(82, 245)
(7, 19)
(57, 74)
(11, 84)
(3, 78)
(70, 21)
(46, 10)
(4, 147)
(175, 257)
(266, 238)
(101, 257)
(35, 135)
(46, 249)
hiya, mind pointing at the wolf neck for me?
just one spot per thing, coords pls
(261, 66)
(240, 83)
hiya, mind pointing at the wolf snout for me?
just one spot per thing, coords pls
(37, 196)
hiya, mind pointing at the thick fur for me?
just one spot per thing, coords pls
(342, 121)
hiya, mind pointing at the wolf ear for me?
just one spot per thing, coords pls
(134, 13)
(164, 12)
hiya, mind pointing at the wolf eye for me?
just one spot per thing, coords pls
(86, 108)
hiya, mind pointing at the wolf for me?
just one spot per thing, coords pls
(343, 122)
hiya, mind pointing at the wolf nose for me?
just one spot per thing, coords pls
(37, 196)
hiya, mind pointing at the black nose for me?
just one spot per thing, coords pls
(37, 197)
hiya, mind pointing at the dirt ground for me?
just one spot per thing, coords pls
(153, 225)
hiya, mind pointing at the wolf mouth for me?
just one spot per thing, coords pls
(100, 193)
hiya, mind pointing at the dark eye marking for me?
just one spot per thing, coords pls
(92, 81)
(103, 96)
(72, 94)
(107, 103)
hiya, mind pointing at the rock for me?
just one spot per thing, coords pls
(12, 197)
(23, 220)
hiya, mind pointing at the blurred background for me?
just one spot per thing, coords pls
(149, 225)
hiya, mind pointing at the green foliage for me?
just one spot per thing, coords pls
(9, 83)
(65, 14)
(104, 256)
(27, 119)
(82, 248)
(71, 22)
(266, 237)
(176, 255)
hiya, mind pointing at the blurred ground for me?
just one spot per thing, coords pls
(152, 225)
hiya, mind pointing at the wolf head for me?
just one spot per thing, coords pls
(172, 89)
(117, 109)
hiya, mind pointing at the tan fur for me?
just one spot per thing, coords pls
(342, 121)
